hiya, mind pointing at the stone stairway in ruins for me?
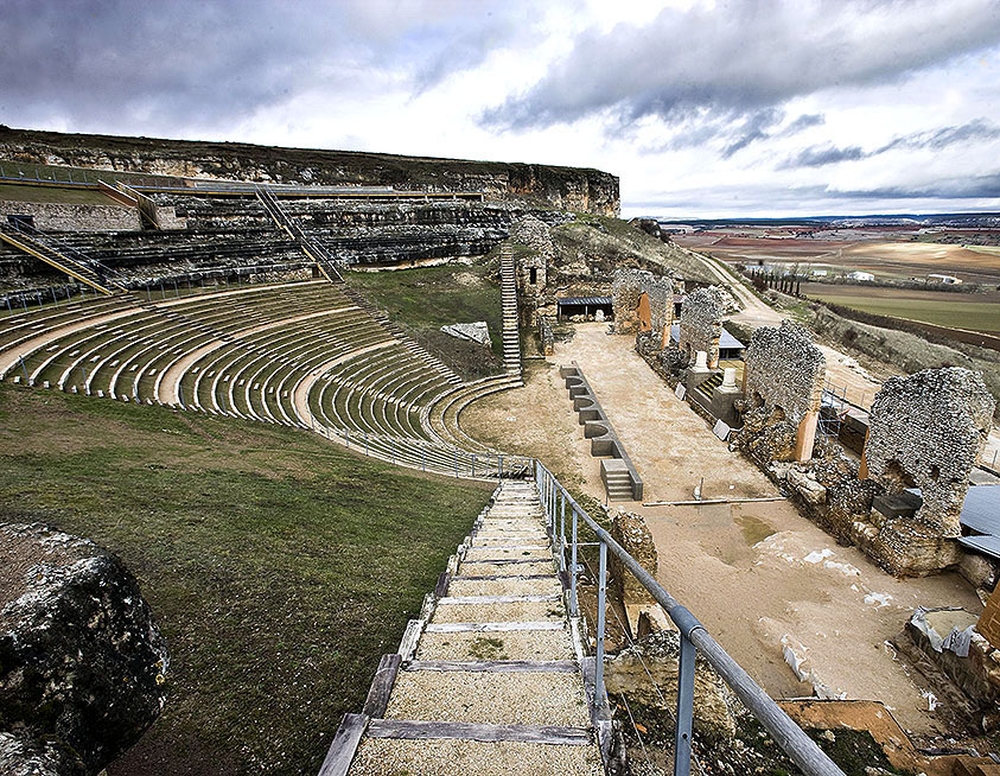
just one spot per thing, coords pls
(488, 680)
(508, 297)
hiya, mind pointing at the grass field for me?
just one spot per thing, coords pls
(278, 566)
(422, 300)
(975, 312)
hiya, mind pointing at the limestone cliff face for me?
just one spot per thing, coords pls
(564, 188)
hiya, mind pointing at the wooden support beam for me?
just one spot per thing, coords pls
(345, 744)
(473, 731)
(381, 687)
(497, 666)
(500, 599)
(491, 627)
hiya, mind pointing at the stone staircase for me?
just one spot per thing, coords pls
(488, 680)
(508, 296)
(707, 387)
(617, 479)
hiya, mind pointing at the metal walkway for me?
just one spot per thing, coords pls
(490, 679)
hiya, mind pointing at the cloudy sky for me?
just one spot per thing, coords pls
(752, 107)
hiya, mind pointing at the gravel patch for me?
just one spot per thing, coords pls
(507, 553)
(379, 757)
(493, 698)
(511, 645)
(504, 586)
(507, 612)
(485, 568)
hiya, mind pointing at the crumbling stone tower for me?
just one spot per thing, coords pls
(701, 324)
(643, 304)
(783, 384)
(926, 431)
(532, 269)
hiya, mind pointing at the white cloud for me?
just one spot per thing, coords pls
(768, 106)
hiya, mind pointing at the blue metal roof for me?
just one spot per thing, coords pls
(584, 300)
(981, 510)
(987, 544)
(726, 340)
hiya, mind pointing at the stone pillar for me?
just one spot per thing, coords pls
(701, 361)
(805, 437)
(729, 379)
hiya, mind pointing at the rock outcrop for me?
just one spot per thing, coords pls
(82, 664)
(563, 188)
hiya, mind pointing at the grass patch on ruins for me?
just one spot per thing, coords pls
(279, 567)
(424, 299)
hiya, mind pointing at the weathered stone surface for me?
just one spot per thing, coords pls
(629, 673)
(632, 533)
(82, 664)
(806, 485)
(784, 369)
(627, 289)
(701, 324)
(927, 431)
(56, 217)
(478, 331)
(22, 755)
(532, 268)
(565, 188)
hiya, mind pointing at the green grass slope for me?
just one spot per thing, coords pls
(279, 567)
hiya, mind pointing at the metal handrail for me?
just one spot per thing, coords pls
(694, 637)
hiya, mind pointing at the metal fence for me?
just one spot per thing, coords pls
(560, 507)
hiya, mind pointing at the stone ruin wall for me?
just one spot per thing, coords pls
(785, 369)
(627, 289)
(701, 324)
(929, 429)
(54, 217)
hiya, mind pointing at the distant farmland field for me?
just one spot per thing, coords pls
(887, 259)
(975, 312)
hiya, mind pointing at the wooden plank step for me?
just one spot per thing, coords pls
(490, 627)
(499, 666)
(499, 599)
(478, 731)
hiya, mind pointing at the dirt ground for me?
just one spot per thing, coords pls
(757, 574)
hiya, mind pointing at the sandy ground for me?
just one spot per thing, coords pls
(754, 572)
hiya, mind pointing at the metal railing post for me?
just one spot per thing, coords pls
(685, 707)
(602, 596)
(573, 563)
(562, 534)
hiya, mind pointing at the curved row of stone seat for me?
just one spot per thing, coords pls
(148, 340)
(441, 417)
(290, 354)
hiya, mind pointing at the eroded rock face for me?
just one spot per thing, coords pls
(632, 533)
(628, 673)
(82, 663)
(927, 430)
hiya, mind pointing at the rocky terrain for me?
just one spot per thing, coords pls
(564, 188)
(82, 664)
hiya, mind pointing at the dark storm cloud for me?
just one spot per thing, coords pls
(976, 131)
(747, 57)
(190, 65)
(978, 187)
(754, 128)
(939, 139)
(174, 63)
(820, 156)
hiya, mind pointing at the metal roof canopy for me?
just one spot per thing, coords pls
(580, 301)
(726, 340)
(986, 544)
(981, 511)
